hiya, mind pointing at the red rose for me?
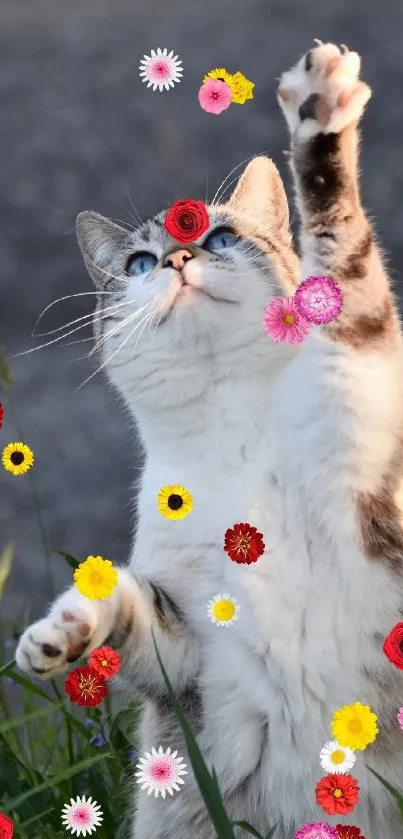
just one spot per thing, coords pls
(337, 793)
(6, 827)
(346, 831)
(393, 646)
(186, 220)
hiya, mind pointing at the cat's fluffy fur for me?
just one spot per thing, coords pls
(303, 443)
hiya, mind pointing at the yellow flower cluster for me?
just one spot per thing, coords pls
(242, 88)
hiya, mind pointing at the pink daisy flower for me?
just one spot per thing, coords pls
(316, 830)
(160, 772)
(81, 816)
(215, 96)
(283, 321)
(400, 717)
(161, 69)
(319, 299)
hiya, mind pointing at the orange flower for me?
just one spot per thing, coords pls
(105, 661)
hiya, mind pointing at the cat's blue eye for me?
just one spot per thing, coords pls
(220, 239)
(141, 263)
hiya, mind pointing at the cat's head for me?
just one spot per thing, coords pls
(198, 306)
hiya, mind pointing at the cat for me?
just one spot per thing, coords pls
(303, 442)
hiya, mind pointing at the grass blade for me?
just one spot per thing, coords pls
(54, 781)
(5, 566)
(8, 725)
(207, 784)
(248, 828)
(396, 794)
(25, 683)
(71, 560)
(5, 669)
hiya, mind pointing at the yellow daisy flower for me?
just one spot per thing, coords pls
(174, 502)
(95, 578)
(221, 74)
(17, 458)
(223, 610)
(241, 88)
(355, 726)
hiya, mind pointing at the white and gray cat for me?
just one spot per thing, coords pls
(303, 442)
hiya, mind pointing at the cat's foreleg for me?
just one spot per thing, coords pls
(76, 625)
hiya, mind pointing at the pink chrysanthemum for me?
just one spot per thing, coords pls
(215, 96)
(400, 717)
(81, 816)
(160, 772)
(161, 69)
(316, 830)
(283, 321)
(319, 299)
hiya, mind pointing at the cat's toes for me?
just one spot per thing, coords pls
(49, 645)
(323, 94)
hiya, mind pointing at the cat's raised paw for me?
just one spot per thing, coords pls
(49, 645)
(323, 93)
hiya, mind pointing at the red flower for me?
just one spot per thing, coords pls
(337, 793)
(6, 827)
(105, 662)
(187, 220)
(85, 687)
(393, 646)
(243, 543)
(1, 425)
(346, 831)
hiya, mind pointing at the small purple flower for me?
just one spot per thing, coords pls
(316, 830)
(89, 723)
(10, 681)
(98, 740)
(319, 299)
(400, 717)
(132, 754)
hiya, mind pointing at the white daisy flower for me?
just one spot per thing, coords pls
(160, 772)
(161, 69)
(81, 816)
(336, 758)
(223, 610)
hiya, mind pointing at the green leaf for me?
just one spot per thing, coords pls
(25, 683)
(82, 766)
(396, 794)
(271, 832)
(26, 718)
(249, 829)
(6, 668)
(71, 560)
(35, 818)
(207, 784)
(5, 566)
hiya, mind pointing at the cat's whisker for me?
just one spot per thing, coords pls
(108, 274)
(108, 360)
(66, 297)
(91, 316)
(217, 197)
(119, 327)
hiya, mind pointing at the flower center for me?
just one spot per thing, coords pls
(242, 544)
(289, 319)
(87, 686)
(338, 793)
(104, 662)
(338, 756)
(355, 726)
(82, 816)
(161, 69)
(224, 610)
(96, 578)
(175, 502)
(17, 458)
(161, 770)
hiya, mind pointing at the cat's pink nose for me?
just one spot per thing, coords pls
(178, 259)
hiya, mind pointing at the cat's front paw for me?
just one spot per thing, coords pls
(323, 94)
(49, 645)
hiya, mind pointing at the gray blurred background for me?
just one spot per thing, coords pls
(78, 130)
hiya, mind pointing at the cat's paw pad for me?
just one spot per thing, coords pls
(49, 645)
(323, 92)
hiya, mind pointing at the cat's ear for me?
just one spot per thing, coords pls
(104, 246)
(260, 193)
